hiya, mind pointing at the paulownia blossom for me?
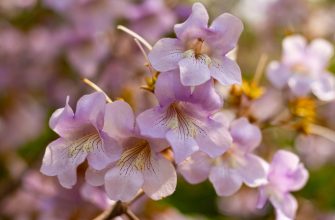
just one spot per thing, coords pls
(81, 136)
(286, 174)
(200, 51)
(186, 119)
(140, 164)
(303, 68)
(236, 166)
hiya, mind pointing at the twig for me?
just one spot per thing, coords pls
(131, 215)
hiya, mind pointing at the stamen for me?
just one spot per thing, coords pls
(97, 88)
(137, 157)
(135, 35)
(198, 47)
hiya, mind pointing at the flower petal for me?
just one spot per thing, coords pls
(226, 71)
(206, 96)
(278, 74)
(166, 54)
(195, 25)
(151, 123)
(54, 160)
(161, 181)
(182, 146)
(169, 88)
(104, 151)
(254, 171)
(193, 71)
(226, 181)
(286, 205)
(245, 134)
(300, 85)
(195, 169)
(324, 87)
(119, 119)
(320, 52)
(294, 49)
(227, 29)
(215, 140)
(120, 186)
(91, 108)
(68, 177)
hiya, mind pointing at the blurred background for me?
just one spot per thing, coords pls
(48, 46)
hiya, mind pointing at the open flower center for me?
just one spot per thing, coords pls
(300, 69)
(86, 144)
(136, 157)
(177, 117)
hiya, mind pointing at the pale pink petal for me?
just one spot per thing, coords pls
(166, 54)
(300, 84)
(320, 52)
(226, 181)
(91, 108)
(207, 97)
(195, 169)
(245, 134)
(68, 177)
(169, 88)
(122, 186)
(151, 123)
(55, 158)
(161, 180)
(287, 205)
(226, 71)
(278, 74)
(254, 171)
(182, 146)
(193, 71)
(324, 87)
(227, 29)
(294, 49)
(195, 25)
(215, 140)
(119, 119)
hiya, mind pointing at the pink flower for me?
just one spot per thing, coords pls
(140, 164)
(81, 137)
(286, 174)
(303, 68)
(238, 165)
(186, 119)
(200, 51)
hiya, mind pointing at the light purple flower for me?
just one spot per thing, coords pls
(81, 137)
(140, 164)
(186, 120)
(236, 166)
(286, 174)
(200, 51)
(303, 68)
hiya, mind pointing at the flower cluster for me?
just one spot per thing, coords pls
(196, 130)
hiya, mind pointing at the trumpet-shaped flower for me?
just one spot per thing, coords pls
(200, 51)
(286, 174)
(140, 164)
(303, 68)
(186, 120)
(81, 137)
(238, 165)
